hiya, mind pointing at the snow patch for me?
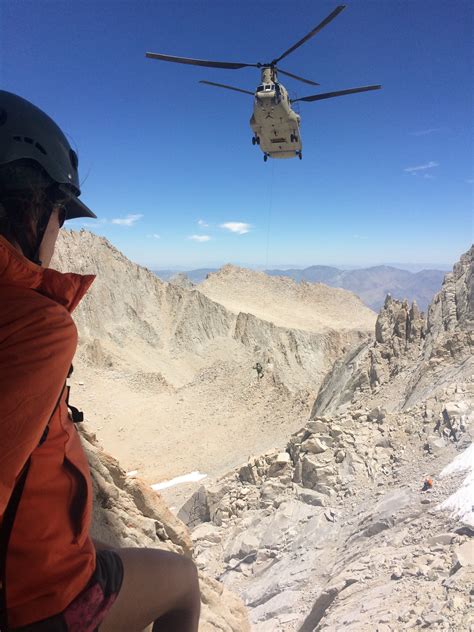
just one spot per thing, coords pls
(461, 503)
(193, 477)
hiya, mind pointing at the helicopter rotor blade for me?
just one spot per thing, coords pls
(223, 85)
(338, 93)
(199, 62)
(290, 74)
(312, 33)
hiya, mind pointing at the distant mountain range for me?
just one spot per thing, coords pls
(370, 284)
(195, 276)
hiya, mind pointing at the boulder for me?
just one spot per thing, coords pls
(248, 474)
(242, 545)
(196, 509)
(314, 446)
(281, 466)
(311, 497)
(222, 610)
(376, 414)
(464, 555)
(316, 426)
(317, 475)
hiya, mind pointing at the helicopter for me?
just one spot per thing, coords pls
(275, 124)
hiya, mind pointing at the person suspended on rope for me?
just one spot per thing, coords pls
(53, 575)
(258, 367)
(427, 484)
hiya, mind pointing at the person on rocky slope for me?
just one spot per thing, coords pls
(53, 576)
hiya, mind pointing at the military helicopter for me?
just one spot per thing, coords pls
(276, 126)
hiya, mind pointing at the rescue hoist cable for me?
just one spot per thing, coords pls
(269, 220)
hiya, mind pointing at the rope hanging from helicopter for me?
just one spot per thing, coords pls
(269, 220)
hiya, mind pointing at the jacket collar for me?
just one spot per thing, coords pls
(67, 289)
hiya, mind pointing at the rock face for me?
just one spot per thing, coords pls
(405, 338)
(334, 531)
(128, 306)
(155, 355)
(127, 513)
(399, 336)
(450, 326)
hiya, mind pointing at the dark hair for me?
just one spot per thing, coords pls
(23, 208)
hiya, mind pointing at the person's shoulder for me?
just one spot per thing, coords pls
(24, 307)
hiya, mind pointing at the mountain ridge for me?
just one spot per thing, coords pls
(154, 354)
(371, 284)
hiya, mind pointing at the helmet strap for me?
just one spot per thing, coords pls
(53, 196)
(40, 230)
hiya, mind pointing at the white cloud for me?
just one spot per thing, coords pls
(470, 180)
(88, 223)
(237, 227)
(94, 224)
(202, 223)
(429, 176)
(199, 237)
(155, 236)
(127, 221)
(425, 132)
(360, 236)
(428, 165)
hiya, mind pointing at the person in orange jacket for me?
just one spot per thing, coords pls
(427, 484)
(53, 576)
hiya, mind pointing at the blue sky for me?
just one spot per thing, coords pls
(168, 164)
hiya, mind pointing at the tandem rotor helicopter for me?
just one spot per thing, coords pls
(276, 126)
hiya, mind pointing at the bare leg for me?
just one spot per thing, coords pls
(158, 587)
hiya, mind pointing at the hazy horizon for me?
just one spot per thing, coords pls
(410, 267)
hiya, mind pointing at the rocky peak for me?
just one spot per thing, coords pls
(398, 324)
(407, 345)
(182, 280)
(399, 332)
(450, 323)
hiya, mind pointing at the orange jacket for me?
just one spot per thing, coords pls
(50, 556)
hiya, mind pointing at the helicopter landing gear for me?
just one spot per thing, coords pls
(265, 157)
(255, 140)
(300, 155)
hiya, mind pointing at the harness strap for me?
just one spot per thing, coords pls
(77, 415)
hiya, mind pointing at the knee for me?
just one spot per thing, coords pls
(191, 572)
(187, 571)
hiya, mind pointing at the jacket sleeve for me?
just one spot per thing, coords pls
(37, 343)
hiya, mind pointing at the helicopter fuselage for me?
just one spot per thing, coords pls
(275, 124)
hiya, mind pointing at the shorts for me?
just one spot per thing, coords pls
(87, 611)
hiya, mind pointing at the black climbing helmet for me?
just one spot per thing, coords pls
(30, 135)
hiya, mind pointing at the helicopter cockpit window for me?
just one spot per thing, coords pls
(260, 89)
(268, 87)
